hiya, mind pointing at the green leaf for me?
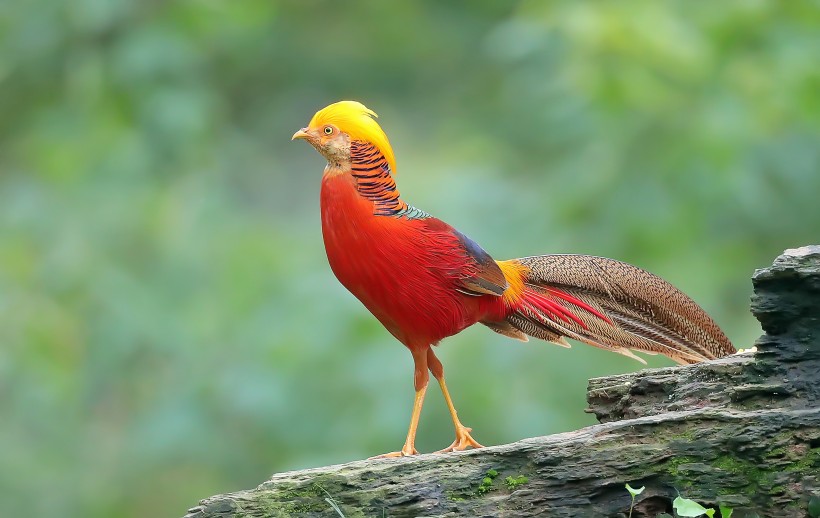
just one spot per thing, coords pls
(686, 507)
(725, 512)
(710, 513)
(814, 507)
(329, 499)
(335, 506)
(635, 492)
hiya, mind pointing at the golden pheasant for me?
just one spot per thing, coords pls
(425, 281)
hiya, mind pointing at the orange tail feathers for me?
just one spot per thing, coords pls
(607, 304)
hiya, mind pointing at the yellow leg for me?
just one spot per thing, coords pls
(463, 438)
(420, 379)
(409, 447)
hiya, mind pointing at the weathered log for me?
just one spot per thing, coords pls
(742, 431)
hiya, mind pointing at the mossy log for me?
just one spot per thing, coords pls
(742, 431)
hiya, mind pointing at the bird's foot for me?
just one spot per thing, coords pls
(406, 451)
(463, 441)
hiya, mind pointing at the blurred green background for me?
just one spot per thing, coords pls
(170, 328)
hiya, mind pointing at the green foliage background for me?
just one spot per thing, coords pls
(169, 327)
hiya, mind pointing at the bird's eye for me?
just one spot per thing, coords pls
(328, 130)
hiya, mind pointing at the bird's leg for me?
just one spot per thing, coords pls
(463, 438)
(420, 380)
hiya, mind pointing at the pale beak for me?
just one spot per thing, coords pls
(302, 133)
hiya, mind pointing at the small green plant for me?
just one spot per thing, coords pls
(634, 493)
(684, 507)
(514, 482)
(487, 482)
(329, 499)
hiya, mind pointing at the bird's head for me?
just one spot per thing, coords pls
(334, 127)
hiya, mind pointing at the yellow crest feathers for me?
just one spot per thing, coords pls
(358, 121)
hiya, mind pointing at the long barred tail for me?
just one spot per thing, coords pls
(611, 305)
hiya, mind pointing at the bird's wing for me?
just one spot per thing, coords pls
(484, 277)
(478, 274)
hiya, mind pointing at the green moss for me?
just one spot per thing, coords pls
(673, 464)
(484, 487)
(687, 435)
(454, 496)
(297, 500)
(732, 465)
(291, 502)
(811, 460)
(780, 451)
(487, 482)
(296, 505)
(514, 482)
(747, 470)
(757, 478)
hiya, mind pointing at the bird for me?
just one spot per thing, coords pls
(425, 281)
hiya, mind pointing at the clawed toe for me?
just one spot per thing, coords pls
(404, 452)
(463, 441)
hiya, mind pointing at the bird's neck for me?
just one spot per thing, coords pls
(374, 180)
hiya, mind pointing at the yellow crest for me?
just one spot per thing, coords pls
(358, 121)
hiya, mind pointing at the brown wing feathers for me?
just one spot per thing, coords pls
(642, 311)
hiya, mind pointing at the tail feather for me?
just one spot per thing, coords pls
(507, 329)
(536, 329)
(614, 306)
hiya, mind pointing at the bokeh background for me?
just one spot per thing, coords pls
(169, 327)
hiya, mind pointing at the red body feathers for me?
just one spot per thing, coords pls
(407, 272)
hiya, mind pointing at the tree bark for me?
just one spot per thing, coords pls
(742, 431)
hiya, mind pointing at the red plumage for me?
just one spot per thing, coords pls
(406, 272)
